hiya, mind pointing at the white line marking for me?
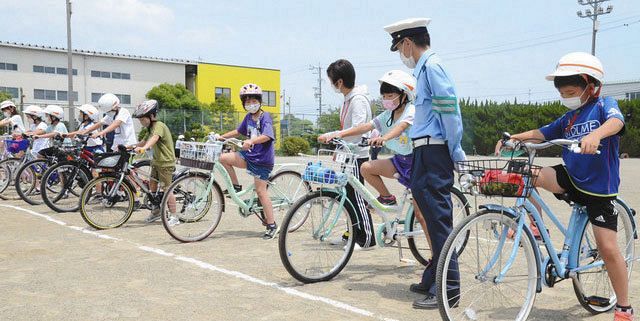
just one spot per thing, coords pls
(208, 266)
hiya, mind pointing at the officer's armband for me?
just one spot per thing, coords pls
(445, 104)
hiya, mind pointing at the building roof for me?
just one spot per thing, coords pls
(95, 53)
(622, 82)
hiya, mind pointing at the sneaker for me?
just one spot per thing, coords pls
(621, 314)
(387, 200)
(272, 230)
(358, 248)
(340, 240)
(155, 215)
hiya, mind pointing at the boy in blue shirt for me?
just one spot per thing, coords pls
(589, 179)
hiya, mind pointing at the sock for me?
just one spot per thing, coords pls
(627, 309)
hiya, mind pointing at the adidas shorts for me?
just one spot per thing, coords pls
(601, 210)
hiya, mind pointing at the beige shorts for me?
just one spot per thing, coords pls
(163, 174)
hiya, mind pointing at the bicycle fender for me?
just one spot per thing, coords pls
(350, 208)
(633, 214)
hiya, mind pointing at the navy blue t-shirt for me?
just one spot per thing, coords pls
(597, 175)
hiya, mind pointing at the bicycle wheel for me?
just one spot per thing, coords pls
(197, 210)
(8, 169)
(27, 181)
(316, 250)
(593, 287)
(286, 187)
(419, 246)
(61, 186)
(104, 204)
(475, 292)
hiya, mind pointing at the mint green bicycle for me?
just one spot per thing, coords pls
(317, 235)
(199, 199)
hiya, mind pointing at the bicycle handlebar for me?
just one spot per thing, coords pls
(571, 144)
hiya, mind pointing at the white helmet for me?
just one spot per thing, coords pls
(578, 63)
(7, 104)
(108, 102)
(55, 111)
(33, 110)
(402, 81)
(90, 111)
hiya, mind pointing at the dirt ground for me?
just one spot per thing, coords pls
(54, 267)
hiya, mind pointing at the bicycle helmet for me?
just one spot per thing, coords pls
(146, 108)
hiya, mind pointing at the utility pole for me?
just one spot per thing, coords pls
(289, 121)
(71, 112)
(318, 89)
(593, 15)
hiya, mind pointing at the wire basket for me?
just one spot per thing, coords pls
(500, 177)
(16, 146)
(200, 155)
(331, 167)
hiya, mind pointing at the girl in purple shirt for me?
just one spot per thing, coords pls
(257, 154)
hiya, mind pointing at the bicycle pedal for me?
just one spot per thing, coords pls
(598, 301)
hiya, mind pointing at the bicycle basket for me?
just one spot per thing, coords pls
(330, 167)
(501, 177)
(200, 155)
(16, 146)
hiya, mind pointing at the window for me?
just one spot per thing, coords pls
(95, 73)
(75, 72)
(8, 66)
(105, 74)
(116, 75)
(44, 94)
(126, 76)
(269, 98)
(62, 95)
(124, 99)
(633, 95)
(223, 92)
(61, 71)
(38, 68)
(14, 92)
(95, 97)
(49, 70)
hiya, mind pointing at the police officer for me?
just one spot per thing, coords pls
(436, 134)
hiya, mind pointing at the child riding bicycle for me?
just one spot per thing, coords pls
(397, 90)
(164, 160)
(257, 155)
(588, 179)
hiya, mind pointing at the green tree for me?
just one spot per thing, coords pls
(329, 121)
(174, 97)
(5, 96)
(222, 114)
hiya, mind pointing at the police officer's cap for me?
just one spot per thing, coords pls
(406, 28)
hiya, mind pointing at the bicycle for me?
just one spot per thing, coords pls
(307, 244)
(502, 254)
(62, 183)
(29, 176)
(17, 153)
(199, 197)
(108, 201)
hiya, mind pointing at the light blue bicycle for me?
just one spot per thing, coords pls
(502, 266)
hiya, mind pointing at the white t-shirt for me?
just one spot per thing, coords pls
(91, 142)
(40, 143)
(402, 144)
(17, 125)
(125, 134)
(59, 128)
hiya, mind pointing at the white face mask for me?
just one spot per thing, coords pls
(6, 114)
(336, 89)
(573, 103)
(252, 108)
(47, 120)
(410, 62)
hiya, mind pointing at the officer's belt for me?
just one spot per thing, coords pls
(426, 141)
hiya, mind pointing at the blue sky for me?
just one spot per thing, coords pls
(493, 49)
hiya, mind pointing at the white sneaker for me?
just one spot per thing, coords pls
(153, 217)
(358, 248)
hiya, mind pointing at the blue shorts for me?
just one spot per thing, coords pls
(260, 171)
(403, 165)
